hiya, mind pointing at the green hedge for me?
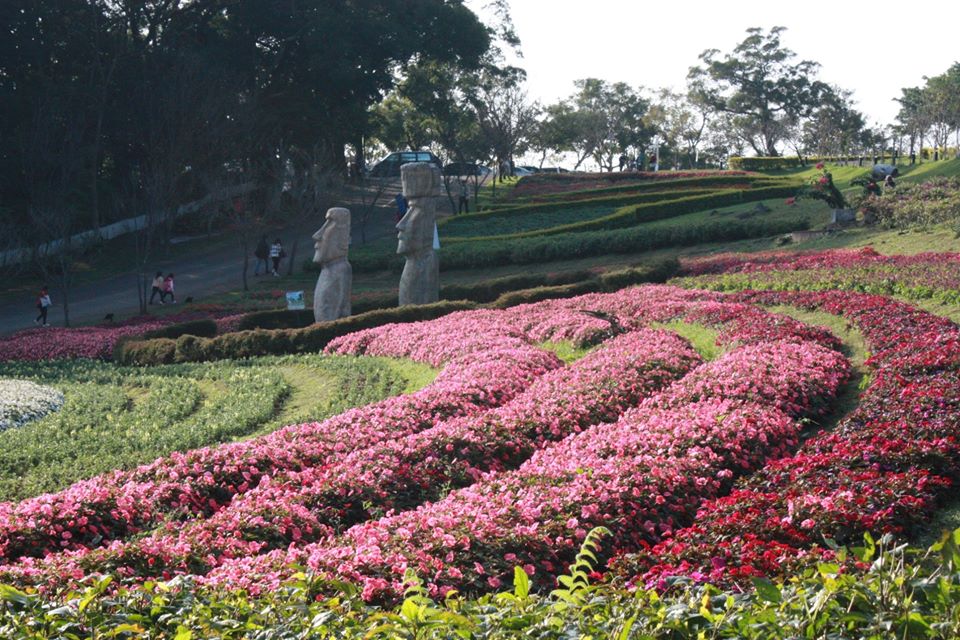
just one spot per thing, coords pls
(499, 293)
(641, 213)
(259, 342)
(572, 246)
(277, 319)
(715, 182)
(205, 327)
(793, 162)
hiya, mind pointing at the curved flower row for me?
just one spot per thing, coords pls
(202, 481)
(53, 343)
(643, 487)
(924, 275)
(22, 401)
(883, 469)
(298, 507)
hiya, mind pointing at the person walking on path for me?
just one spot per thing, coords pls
(401, 206)
(464, 205)
(168, 288)
(157, 287)
(276, 255)
(43, 304)
(261, 253)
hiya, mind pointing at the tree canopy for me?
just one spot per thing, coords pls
(759, 86)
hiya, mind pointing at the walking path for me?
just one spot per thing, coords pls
(210, 268)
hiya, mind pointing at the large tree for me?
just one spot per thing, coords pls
(600, 121)
(759, 86)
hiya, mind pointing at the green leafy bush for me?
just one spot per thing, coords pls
(901, 592)
(923, 205)
(572, 246)
(638, 214)
(205, 328)
(261, 342)
(277, 319)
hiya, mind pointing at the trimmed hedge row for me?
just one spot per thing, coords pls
(204, 327)
(459, 227)
(641, 213)
(793, 162)
(572, 246)
(499, 293)
(547, 248)
(260, 342)
(561, 200)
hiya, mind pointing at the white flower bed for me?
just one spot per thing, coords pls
(22, 401)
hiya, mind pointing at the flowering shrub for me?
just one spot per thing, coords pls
(936, 201)
(22, 401)
(53, 343)
(821, 187)
(920, 276)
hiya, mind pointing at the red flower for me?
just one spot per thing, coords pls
(819, 165)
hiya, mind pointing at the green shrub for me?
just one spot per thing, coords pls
(206, 328)
(571, 246)
(144, 351)
(659, 271)
(638, 214)
(261, 342)
(277, 319)
(490, 290)
(526, 296)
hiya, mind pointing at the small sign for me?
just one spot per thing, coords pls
(295, 300)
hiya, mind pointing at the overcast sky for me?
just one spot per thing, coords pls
(871, 47)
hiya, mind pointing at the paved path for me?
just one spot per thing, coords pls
(204, 272)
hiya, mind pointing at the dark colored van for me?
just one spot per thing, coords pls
(389, 167)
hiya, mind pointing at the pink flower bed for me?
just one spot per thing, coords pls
(538, 514)
(296, 507)
(201, 482)
(307, 493)
(884, 469)
(53, 343)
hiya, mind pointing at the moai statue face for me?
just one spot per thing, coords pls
(421, 184)
(332, 241)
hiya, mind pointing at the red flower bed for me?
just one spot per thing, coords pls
(883, 469)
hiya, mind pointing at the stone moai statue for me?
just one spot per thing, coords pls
(420, 282)
(331, 297)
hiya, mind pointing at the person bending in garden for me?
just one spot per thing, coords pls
(43, 304)
(157, 287)
(168, 289)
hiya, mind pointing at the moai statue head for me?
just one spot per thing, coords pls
(421, 185)
(332, 240)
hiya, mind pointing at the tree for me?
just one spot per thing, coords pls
(600, 121)
(680, 121)
(506, 116)
(833, 128)
(759, 87)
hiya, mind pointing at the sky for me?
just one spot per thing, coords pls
(872, 47)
